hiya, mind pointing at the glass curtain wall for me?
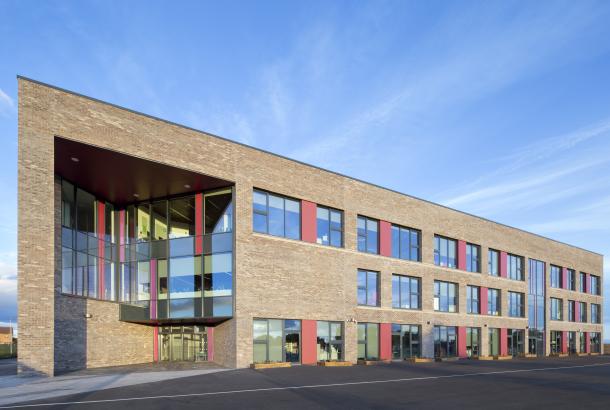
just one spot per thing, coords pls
(536, 308)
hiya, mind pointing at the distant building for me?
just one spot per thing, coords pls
(6, 335)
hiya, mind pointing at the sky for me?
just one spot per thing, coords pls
(501, 109)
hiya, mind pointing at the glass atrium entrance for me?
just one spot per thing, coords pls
(183, 344)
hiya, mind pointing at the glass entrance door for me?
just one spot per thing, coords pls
(183, 343)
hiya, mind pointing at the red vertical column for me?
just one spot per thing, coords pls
(101, 233)
(309, 334)
(461, 255)
(210, 339)
(385, 341)
(503, 342)
(198, 224)
(309, 227)
(564, 277)
(564, 342)
(588, 342)
(503, 264)
(153, 288)
(461, 342)
(483, 300)
(587, 283)
(156, 344)
(385, 238)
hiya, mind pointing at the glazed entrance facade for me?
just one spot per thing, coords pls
(183, 343)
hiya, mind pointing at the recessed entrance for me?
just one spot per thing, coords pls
(183, 344)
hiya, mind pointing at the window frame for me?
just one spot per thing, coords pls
(497, 302)
(470, 259)
(439, 295)
(266, 213)
(367, 220)
(516, 303)
(409, 280)
(473, 304)
(438, 244)
(399, 244)
(556, 309)
(518, 262)
(283, 338)
(492, 255)
(366, 288)
(556, 277)
(331, 211)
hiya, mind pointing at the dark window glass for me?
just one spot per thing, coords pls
(556, 309)
(405, 341)
(556, 342)
(516, 306)
(514, 265)
(571, 311)
(595, 313)
(493, 262)
(472, 299)
(276, 215)
(595, 342)
(218, 211)
(571, 279)
(329, 227)
(368, 235)
(405, 292)
(445, 251)
(182, 217)
(67, 204)
(556, 277)
(405, 243)
(367, 288)
(445, 341)
(595, 285)
(473, 258)
(583, 312)
(515, 341)
(445, 296)
(536, 308)
(582, 282)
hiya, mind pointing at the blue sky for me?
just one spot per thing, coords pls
(492, 108)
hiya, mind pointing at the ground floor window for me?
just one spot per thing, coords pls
(536, 341)
(572, 342)
(556, 342)
(445, 341)
(330, 340)
(368, 341)
(473, 341)
(494, 341)
(595, 339)
(183, 343)
(405, 341)
(276, 340)
(515, 341)
(583, 342)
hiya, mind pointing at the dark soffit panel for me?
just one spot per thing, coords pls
(116, 177)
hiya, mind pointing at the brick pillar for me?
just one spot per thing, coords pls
(461, 342)
(309, 228)
(385, 341)
(156, 344)
(483, 300)
(198, 224)
(385, 238)
(503, 264)
(503, 342)
(210, 339)
(461, 255)
(309, 342)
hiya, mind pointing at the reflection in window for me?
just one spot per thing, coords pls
(515, 267)
(276, 340)
(494, 341)
(185, 277)
(329, 223)
(368, 341)
(493, 262)
(445, 341)
(276, 215)
(405, 292)
(368, 235)
(405, 243)
(516, 304)
(556, 309)
(330, 340)
(159, 214)
(445, 250)
(556, 277)
(143, 281)
(405, 341)
(472, 299)
(218, 277)
(182, 217)
(445, 296)
(493, 302)
(218, 211)
(367, 288)
(473, 257)
(473, 341)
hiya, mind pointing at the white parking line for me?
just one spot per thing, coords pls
(312, 386)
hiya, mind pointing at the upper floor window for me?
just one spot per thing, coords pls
(556, 309)
(445, 296)
(405, 292)
(473, 257)
(445, 251)
(493, 262)
(516, 304)
(582, 282)
(405, 243)
(368, 285)
(368, 235)
(571, 311)
(595, 285)
(595, 313)
(571, 279)
(329, 227)
(472, 299)
(583, 312)
(514, 265)
(276, 215)
(556, 277)
(493, 302)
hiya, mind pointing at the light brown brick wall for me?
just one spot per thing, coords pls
(274, 277)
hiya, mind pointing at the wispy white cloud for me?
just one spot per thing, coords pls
(7, 105)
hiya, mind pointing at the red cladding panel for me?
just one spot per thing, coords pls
(503, 264)
(385, 341)
(462, 342)
(101, 233)
(385, 238)
(565, 277)
(198, 224)
(503, 342)
(153, 288)
(483, 300)
(587, 282)
(309, 334)
(564, 342)
(461, 255)
(309, 230)
(156, 344)
(210, 335)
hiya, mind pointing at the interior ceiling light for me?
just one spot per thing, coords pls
(187, 186)
(136, 195)
(74, 159)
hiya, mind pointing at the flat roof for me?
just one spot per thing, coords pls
(20, 77)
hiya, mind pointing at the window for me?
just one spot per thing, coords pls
(405, 243)
(405, 292)
(556, 342)
(472, 299)
(445, 341)
(556, 277)
(494, 341)
(473, 341)
(368, 341)
(276, 215)
(582, 336)
(572, 342)
(515, 341)
(445, 297)
(514, 265)
(516, 304)
(571, 311)
(595, 342)
(473, 258)
(276, 340)
(493, 262)
(583, 312)
(218, 211)
(595, 313)
(368, 283)
(536, 307)
(595, 285)
(445, 251)
(329, 227)
(368, 235)
(493, 302)
(556, 309)
(330, 340)
(571, 278)
(582, 280)
(405, 341)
